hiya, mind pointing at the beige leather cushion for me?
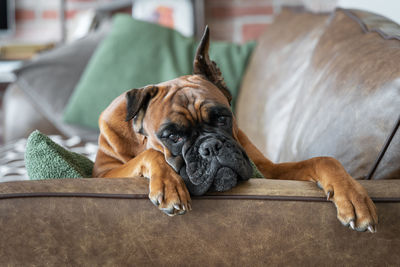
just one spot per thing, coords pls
(274, 78)
(343, 104)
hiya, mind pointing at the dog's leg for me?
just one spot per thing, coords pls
(354, 207)
(167, 189)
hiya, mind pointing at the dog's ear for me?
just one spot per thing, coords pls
(204, 66)
(137, 101)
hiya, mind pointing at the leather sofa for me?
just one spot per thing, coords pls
(316, 85)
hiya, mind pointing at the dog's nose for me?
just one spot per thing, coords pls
(210, 147)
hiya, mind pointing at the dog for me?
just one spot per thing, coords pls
(182, 135)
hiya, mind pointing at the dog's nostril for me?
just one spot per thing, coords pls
(210, 147)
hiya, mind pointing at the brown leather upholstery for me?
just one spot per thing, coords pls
(244, 227)
(273, 78)
(334, 91)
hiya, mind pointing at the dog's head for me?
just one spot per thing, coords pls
(189, 119)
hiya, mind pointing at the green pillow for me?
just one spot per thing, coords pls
(138, 53)
(44, 159)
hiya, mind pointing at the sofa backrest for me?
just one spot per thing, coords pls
(325, 85)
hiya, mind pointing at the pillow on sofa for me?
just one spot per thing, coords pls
(50, 78)
(44, 159)
(138, 53)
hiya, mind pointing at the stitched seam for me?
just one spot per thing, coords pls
(144, 196)
(366, 29)
(384, 149)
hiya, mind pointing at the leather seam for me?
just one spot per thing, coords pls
(145, 196)
(365, 29)
(383, 150)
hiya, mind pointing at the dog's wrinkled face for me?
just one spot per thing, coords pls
(198, 139)
(189, 120)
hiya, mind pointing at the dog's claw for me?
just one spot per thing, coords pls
(154, 202)
(177, 206)
(319, 185)
(371, 229)
(159, 200)
(329, 195)
(352, 225)
(181, 212)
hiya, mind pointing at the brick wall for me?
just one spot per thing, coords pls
(238, 20)
(230, 20)
(38, 21)
(243, 20)
(35, 21)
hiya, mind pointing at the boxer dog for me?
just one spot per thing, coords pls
(182, 135)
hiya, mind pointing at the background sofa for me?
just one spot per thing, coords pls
(316, 85)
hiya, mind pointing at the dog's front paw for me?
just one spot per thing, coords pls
(169, 194)
(354, 207)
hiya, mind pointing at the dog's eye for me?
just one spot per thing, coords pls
(175, 138)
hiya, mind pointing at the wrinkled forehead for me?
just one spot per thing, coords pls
(187, 101)
(192, 86)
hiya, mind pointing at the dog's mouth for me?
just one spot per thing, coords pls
(214, 164)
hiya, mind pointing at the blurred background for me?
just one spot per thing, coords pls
(28, 27)
(49, 21)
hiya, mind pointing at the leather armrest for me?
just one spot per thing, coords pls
(111, 221)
